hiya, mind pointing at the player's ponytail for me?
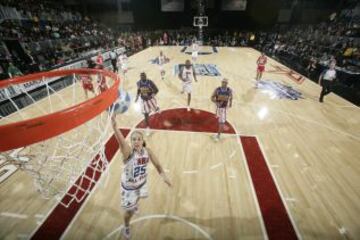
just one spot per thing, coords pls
(144, 144)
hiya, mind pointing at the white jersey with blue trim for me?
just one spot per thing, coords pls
(135, 171)
(161, 60)
(188, 74)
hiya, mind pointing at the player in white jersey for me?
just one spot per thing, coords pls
(134, 176)
(187, 75)
(162, 60)
(123, 62)
(195, 51)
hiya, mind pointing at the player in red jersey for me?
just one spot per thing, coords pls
(87, 84)
(261, 62)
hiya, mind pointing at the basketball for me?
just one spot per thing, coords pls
(122, 103)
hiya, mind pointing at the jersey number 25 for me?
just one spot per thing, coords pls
(140, 170)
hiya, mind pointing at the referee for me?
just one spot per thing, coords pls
(113, 58)
(326, 80)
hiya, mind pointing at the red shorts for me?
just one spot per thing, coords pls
(261, 68)
(88, 86)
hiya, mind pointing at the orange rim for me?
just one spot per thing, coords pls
(26, 132)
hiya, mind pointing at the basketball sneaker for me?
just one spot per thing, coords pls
(188, 109)
(216, 137)
(147, 132)
(126, 233)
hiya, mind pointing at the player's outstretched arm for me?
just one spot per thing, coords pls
(230, 99)
(158, 167)
(123, 145)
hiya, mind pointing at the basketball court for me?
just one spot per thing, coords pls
(286, 168)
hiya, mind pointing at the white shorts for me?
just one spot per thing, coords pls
(130, 198)
(149, 106)
(221, 114)
(194, 54)
(187, 87)
(161, 67)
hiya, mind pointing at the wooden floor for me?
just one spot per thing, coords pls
(312, 149)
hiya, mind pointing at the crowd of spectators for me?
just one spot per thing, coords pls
(38, 35)
(51, 35)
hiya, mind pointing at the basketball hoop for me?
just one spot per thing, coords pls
(68, 135)
(200, 21)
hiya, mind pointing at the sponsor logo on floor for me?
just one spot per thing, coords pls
(201, 69)
(278, 90)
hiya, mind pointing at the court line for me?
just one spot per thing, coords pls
(274, 166)
(279, 190)
(232, 154)
(160, 216)
(253, 193)
(22, 235)
(190, 172)
(216, 165)
(14, 215)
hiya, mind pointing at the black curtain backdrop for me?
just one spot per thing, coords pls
(259, 14)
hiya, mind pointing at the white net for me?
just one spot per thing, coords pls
(66, 166)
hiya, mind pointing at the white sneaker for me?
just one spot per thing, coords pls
(126, 233)
(147, 132)
(216, 137)
(188, 109)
